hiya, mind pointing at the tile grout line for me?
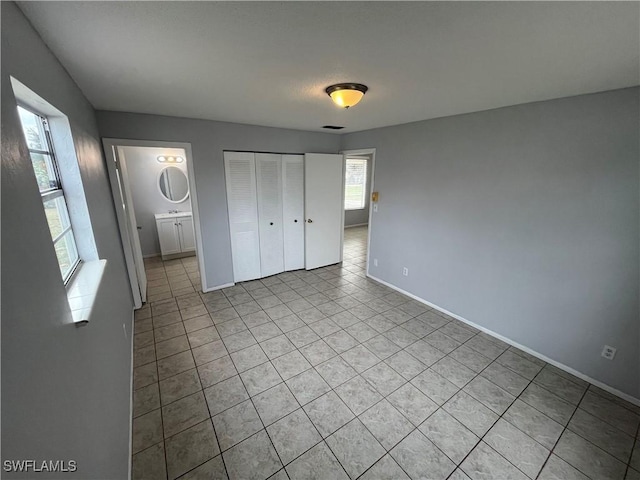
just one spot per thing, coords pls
(481, 438)
(209, 418)
(332, 389)
(636, 441)
(565, 428)
(264, 427)
(164, 440)
(382, 361)
(215, 431)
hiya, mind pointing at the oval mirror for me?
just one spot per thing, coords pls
(173, 184)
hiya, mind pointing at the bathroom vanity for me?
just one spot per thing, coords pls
(176, 234)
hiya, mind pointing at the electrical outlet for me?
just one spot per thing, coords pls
(608, 352)
(375, 262)
(405, 271)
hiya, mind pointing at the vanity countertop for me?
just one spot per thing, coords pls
(172, 215)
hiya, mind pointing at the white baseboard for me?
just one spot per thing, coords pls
(218, 287)
(524, 348)
(151, 255)
(356, 225)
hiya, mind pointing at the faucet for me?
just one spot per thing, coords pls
(173, 211)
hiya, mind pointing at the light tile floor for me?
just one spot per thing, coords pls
(328, 375)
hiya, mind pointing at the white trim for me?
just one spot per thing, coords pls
(133, 326)
(83, 290)
(111, 157)
(218, 287)
(356, 225)
(344, 173)
(372, 152)
(196, 215)
(121, 142)
(561, 366)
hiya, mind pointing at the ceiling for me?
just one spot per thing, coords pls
(268, 63)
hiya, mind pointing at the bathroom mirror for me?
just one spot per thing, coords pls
(173, 184)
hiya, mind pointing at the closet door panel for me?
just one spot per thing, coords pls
(293, 211)
(323, 208)
(242, 203)
(269, 188)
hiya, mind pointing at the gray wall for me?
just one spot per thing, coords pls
(144, 170)
(523, 220)
(208, 141)
(358, 217)
(65, 390)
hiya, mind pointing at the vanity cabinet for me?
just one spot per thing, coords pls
(175, 233)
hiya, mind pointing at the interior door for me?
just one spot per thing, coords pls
(240, 175)
(324, 209)
(132, 224)
(293, 211)
(269, 188)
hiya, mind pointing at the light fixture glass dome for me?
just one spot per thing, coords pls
(347, 95)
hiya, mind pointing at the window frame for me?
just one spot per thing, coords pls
(55, 192)
(364, 183)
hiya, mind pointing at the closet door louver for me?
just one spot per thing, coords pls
(293, 211)
(269, 187)
(240, 174)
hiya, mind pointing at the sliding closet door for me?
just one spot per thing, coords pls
(293, 211)
(269, 183)
(323, 208)
(240, 174)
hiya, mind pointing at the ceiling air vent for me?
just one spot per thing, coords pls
(332, 127)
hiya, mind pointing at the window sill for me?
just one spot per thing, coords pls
(83, 290)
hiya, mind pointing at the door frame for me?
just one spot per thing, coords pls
(372, 152)
(117, 192)
(109, 144)
(131, 225)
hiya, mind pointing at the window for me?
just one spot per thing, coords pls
(45, 167)
(355, 185)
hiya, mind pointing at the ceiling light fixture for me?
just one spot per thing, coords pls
(346, 95)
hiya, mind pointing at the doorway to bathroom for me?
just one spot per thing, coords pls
(156, 205)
